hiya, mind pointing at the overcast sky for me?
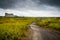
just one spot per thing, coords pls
(32, 8)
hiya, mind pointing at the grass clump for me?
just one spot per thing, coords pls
(53, 23)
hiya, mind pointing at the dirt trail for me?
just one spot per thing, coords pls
(36, 34)
(43, 34)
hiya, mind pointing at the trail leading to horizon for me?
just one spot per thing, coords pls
(36, 34)
(43, 34)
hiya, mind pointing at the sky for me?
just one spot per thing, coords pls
(31, 8)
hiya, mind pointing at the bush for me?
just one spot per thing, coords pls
(53, 23)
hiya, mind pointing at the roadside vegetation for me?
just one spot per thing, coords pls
(14, 28)
(52, 23)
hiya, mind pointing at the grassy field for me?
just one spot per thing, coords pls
(52, 23)
(14, 28)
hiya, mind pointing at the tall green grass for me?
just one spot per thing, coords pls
(14, 28)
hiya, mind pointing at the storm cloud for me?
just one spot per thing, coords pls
(5, 4)
(26, 3)
(51, 2)
(31, 7)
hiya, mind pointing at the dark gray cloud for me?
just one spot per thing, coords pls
(17, 3)
(28, 3)
(6, 3)
(51, 2)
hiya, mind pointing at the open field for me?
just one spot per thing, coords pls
(14, 28)
(52, 23)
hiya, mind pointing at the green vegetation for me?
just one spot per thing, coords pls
(14, 28)
(52, 23)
